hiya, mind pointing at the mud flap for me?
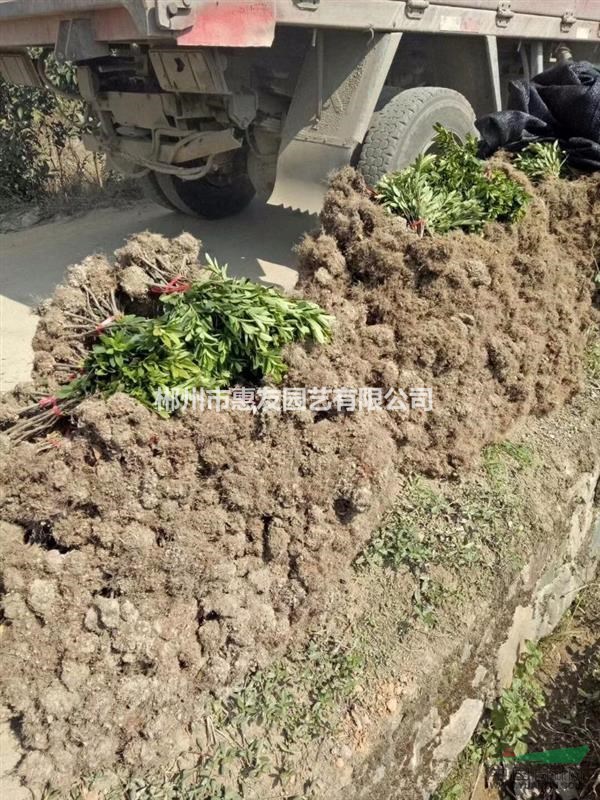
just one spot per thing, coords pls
(339, 85)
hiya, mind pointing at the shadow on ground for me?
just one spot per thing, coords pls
(33, 260)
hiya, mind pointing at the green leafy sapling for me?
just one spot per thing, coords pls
(452, 189)
(218, 331)
(542, 160)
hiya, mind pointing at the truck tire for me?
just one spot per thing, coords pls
(210, 198)
(402, 127)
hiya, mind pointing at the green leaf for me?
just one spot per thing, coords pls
(222, 329)
(452, 189)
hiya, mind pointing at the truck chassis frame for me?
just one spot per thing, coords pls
(281, 91)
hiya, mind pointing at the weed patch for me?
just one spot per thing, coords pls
(511, 717)
(592, 358)
(426, 530)
(504, 729)
(300, 697)
(502, 461)
(418, 533)
(258, 733)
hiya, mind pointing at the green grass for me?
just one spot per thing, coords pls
(419, 533)
(403, 543)
(298, 696)
(503, 460)
(428, 597)
(476, 526)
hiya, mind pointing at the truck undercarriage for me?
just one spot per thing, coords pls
(212, 101)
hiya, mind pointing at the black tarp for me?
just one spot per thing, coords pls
(562, 103)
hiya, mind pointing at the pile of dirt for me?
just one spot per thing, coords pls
(148, 562)
(495, 324)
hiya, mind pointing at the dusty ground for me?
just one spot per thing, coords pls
(148, 562)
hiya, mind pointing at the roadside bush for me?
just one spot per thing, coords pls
(23, 169)
(40, 150)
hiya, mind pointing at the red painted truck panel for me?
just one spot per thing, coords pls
(251, 23)
(232, 23)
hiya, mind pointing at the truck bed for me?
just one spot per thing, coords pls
(239, 23)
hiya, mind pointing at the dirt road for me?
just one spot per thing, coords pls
(257, 243)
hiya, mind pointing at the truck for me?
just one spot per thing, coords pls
(211, 102)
